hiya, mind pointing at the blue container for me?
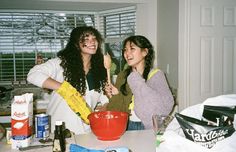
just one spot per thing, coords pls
(42, 126)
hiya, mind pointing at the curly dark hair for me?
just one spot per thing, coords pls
(142, 42)
(72, 61)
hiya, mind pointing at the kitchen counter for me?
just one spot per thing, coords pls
(41, 98)
(6, 112)
(136, 141)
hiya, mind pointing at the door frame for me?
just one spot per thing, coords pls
(183, 97)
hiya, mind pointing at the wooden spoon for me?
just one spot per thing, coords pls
(107, 65)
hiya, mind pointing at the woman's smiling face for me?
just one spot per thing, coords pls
(89, 44)
(134, 55)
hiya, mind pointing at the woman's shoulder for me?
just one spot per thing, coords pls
(120, 78)
(54, 61)
(154, 71)
(121, 74)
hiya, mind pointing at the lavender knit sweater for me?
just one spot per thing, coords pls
(150, 97)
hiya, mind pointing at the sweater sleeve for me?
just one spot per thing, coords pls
(150, 97)
(39, 73)
(120, 102)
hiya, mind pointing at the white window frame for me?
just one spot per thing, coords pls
(97, 23)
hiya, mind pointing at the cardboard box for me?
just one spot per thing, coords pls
(22, 120)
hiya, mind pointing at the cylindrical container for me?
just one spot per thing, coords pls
(42, 126)
(59, 138)
(8, 135)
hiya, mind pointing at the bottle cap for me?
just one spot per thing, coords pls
(58, 123)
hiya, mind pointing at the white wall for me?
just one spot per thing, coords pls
(147, 22)
(167, 29)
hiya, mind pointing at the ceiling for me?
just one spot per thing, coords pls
(63, 5)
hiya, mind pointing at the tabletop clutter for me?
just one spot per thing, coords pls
(214, 123)
(204, 132)
(106, 125)
(22, 125)
(206, 127)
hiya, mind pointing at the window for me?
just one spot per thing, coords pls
(116, 26)
(24, 36)
(28, 35)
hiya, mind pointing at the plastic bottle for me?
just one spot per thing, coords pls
(59, 139)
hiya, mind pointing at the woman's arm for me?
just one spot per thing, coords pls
(119, 101)
(155, 87)
(153, 96)
(111, 89)
(51, 84)
(47, 75)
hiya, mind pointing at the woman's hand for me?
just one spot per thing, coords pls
(111, 90)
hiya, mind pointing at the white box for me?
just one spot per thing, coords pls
(22, 120)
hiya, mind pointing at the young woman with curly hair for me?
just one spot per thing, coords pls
(140, 89)
(79, 66)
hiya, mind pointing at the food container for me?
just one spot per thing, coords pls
(22, 120)
(42, 126)
(108, 125)
(8, 135)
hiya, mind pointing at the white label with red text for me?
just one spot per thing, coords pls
(22, 120)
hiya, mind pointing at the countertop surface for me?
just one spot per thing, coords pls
(144, 140)
(41, 98)
(136, 141)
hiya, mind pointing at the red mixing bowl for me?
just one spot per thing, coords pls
(108, 125)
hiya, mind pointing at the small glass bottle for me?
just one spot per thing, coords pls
(59, 140)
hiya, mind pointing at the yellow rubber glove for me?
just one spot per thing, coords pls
(75, 100)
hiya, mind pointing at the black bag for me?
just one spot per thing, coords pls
(220, 115)
(201, 132)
